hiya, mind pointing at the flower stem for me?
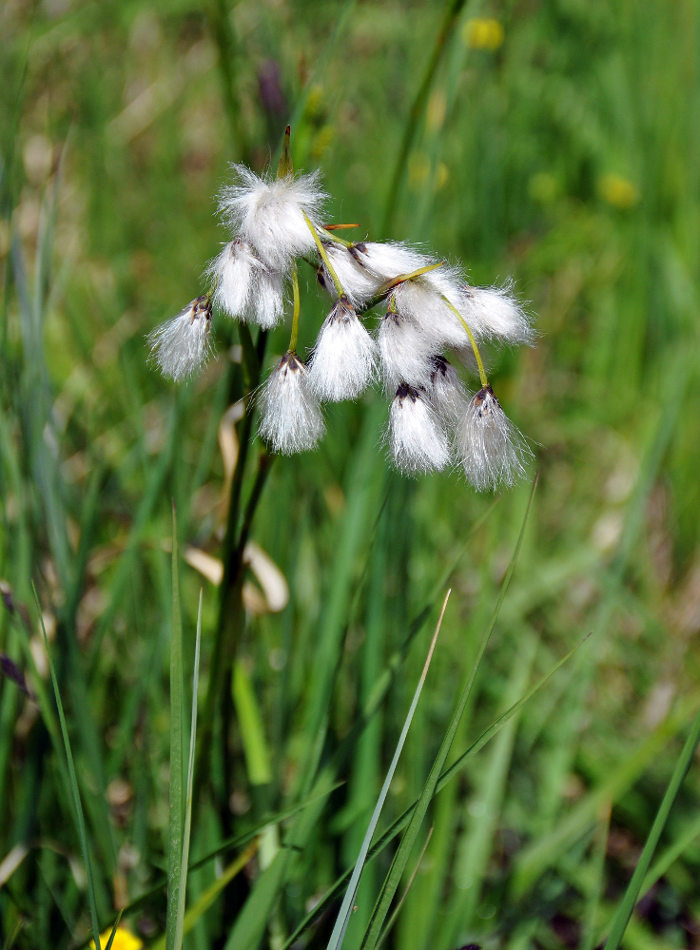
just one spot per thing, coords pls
(285, 166)
(324, 257)
(327, 232)
(475, 348)
(295, 314)
(402, 278)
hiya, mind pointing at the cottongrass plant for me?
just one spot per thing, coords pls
(429, 308)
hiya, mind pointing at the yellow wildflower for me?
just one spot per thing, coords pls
(420, 169)
(483, 33)
(617, 191)
(123, 940)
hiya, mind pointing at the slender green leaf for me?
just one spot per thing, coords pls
(78, 813)
(176, 832)
(626, 906)
(346, 907)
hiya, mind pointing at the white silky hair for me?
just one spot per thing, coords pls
(245, 287)
(417, 439)
(446, 393)
(492, 451)
(391, 258)
(494, 313)
(270, 214)
(181, 345)
(491, 313)
(359, 283)
(424, 299)
(344, 358)
(266, 305)
(290, 413)
(405, 351)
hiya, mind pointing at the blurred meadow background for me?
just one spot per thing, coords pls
(556, 143)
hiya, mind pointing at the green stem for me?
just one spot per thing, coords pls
(453, 10)
(475, 348)
(402, 278)
(627, 905)
(230, 616)
(331, 236)
(324, 257)
(295, 314)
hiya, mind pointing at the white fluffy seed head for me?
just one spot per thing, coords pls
(343, 362)
(404, 349)
(245, 287)
(266, 304)
(181, 346)
(270, 214)
(417, 440)
(446, 393)
(359, 282)
(390, 259)
(290, 415)
(494, 313)
(493, 452)
(424, 299)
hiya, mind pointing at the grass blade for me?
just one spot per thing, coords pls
(399, 903)
(205, 900)
(408, 840)
(182, 891)
(446, 776)
(73, 786)
(177, 775)
(624, 911)
(345, 911)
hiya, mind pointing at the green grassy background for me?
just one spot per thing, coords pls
(567, 158)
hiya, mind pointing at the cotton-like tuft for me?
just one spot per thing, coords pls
(417, 440)
(234, 271)
(290, 414)
(405, 350)
(245, 287)
(491, 449)
(359, 283)
(270, 214)
(344, 358)
(493, 313)
(446, 393)
(181, 346)
(426, 299)
(390, 259)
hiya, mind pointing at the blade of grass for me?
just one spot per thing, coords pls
(543, 853)
(595, 891)
(626, 906)
(408, 840)
(400, 823)
(352, 538)
(252, 731)
(115, 928)
(345, 911)
(400, 902)
(73, 784)
(182, 891)
(205, 901)
(449, 18)
(177, 774)
(475, 845)
(232, 843)
(671, 854)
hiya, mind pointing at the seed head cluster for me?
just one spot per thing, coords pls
(427, 309)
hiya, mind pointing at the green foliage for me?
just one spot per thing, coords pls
(560, 147)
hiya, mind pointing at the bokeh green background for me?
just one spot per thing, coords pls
(556, 143)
